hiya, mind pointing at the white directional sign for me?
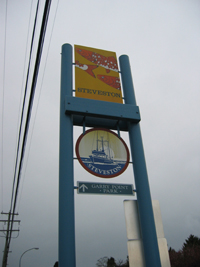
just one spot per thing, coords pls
(101, 188)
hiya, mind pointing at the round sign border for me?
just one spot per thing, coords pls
(86, 168)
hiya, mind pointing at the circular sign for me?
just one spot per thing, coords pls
(102, 153)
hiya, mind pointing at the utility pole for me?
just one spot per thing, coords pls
(8, 231)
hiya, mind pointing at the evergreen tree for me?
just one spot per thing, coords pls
(189, 256)
(111, 262)
(192, 241)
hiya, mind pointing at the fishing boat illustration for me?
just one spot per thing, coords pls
(99, 156)
(102, 153)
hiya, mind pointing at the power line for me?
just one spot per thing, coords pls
(11, 215)
(32, 93)
(33, 86)
(22, 86)
(30, 104)
(41, 86)
(24, 99)
(4, 67)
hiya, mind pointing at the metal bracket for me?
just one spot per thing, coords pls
(101, 113)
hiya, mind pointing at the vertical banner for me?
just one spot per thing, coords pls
(97, 74)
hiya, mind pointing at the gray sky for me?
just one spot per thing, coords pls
(162, 41)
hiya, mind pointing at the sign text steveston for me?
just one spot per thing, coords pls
(103, 172)
(101, 188)
(98, 92)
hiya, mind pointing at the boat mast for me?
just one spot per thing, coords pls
(108, 146)
(97, 141)
(102, 143)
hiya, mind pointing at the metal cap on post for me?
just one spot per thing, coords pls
(149, 237)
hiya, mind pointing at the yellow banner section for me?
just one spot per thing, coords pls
(96, 74)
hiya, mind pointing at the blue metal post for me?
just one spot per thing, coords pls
(149, 237)
(66, 170)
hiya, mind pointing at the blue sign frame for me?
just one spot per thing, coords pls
(96, 117)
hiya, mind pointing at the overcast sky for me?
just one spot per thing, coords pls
(162, 40)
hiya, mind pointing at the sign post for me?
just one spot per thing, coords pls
(106, 113)
(149, 237)
(66, 169)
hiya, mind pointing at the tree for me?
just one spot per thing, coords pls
(192, 241)
(111, 262)
(120, 263)
(102, 262)
(126, 264)
(176, 258)
(189, 256)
